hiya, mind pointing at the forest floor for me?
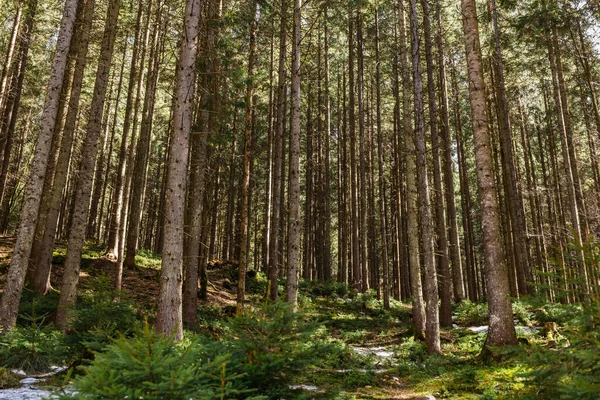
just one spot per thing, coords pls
(380, 361)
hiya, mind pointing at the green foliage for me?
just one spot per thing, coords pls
(468, 313)
(562, 314)
(37, 306)
(328, 288)
(100, 318)
(269, 347)
(32, 348)
(8, 379)
(572, 370)
(150, 366)
(521, 313)
(147, 259)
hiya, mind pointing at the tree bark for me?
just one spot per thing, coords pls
(501, 327)
(169, 316)
(293, 255)
(246, 169)
(68, 292)
(9, 304)
(432, 323)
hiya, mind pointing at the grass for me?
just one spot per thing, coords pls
(541, 366)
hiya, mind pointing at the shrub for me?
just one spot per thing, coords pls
(8, 379)
(521, 313)
(150, 366)
(32, 348)
(468, 313)
(99, 318)
(38, 306)
(269, 347)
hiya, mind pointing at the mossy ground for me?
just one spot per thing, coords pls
(351, 320)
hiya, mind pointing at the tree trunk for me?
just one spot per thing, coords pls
(432, 323)
(293, 255)
(278, 178)
(9, 304)
(381, 179)
(43, 250)
(68, 291)
(246, 171)
(117, 203)
(441, 250)
(140, 169)
(169, 316)
(501, 327)
(454, 243)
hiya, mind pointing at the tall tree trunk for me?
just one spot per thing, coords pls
(569, 163)
(44, 248)
(432, 323)
(354, 224)
(454, 243)
(10, 101)
(68, 291)
(140, 167)
(381, 178)
(117, 203)
(501, 327)
(362, 184)
(278, 178)
(441, 251)
(416, 285)
(293, 255)
(513, 193)
(9, 304)
(8, 59)
(246, 171)
(169, 319)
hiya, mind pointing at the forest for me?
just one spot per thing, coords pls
(269, 199)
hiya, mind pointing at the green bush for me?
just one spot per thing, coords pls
(328, 288)
(562, 314)
(8, 379)
(269, 347)
(468, 313)
(32, 348)
(521, 313)
(151, 367)
(38, 306)
(100, 318)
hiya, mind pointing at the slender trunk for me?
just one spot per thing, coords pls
(432, 323)
(501, 327)
(354, 224)
(441, 250)
(142, 151)
(117, 204)
(454, 243)
(9, 304)
(381, 179)
(411, 189)
(275, 237)
(293, 255)
(68, 292)
(246, 169)
(169, 316)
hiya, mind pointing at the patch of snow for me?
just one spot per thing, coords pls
(29, 381)
(478, 329)
(304, 387)
(380, 352)
(24, 394)
(376, 371)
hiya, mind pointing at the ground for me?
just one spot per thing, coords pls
(381, 359)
